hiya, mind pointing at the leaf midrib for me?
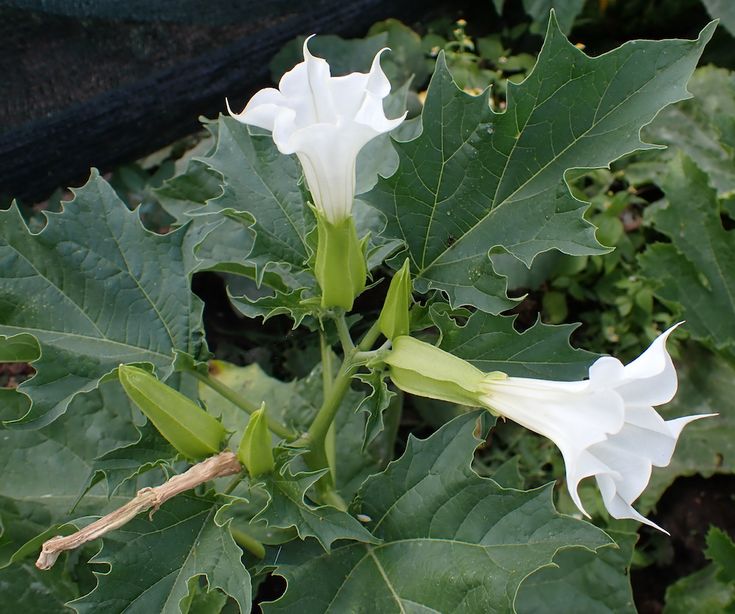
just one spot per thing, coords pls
(370, 549)
(101, 340)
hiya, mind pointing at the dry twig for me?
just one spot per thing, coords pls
(223, 464)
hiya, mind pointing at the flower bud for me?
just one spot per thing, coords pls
(425, 370)
(394, 317)
(340, 262)
(185, 425)
(255, 451)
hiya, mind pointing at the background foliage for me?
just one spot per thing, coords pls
(91, 288)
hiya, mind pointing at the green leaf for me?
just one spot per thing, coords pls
(128, 461)
(19, 348)
(565, 11)
(452, 541)
(217, 242)
(702, 126)
(375, 403)
(263, 183)
(193, 187)
(707, 446)
(697, 270)
(492, 344)
(508, 475)
(151, 562)
(406, 59)
(203, 601)
(721, 550)
(46, 471)
(13, 405)
(295, 304)
(26, 589)
(724, 10)
(287, 507)
(475, 181)
(700, 593)
(583, 582)
(96, 290)
(295, 404)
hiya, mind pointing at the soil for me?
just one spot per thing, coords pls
(687, 509)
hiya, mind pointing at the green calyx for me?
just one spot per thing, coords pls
(255, 450)
(394, 317)
(185, 425)
(425, 370)
(340, 265)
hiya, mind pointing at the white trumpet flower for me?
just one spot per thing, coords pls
(325, 121)
(605, 426)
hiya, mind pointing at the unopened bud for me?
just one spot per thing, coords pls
(185, 425)
(394, 317)
(255, 451)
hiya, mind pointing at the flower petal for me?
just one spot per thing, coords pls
(328, 154)
(371, 114)
(574, 415)
(651, 378)
(261, 110)
(325, 120)
(619, 508)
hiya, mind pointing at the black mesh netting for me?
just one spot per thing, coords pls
(98, 82)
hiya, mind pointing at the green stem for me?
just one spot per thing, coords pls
(233, 484)
(370, 337)
(344, 334)
(340, 385)
(318, 429)
(316, 436)
(244, 404)
(248, 542)
(326, 352)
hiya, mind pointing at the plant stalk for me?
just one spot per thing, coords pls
(244, 404)
(370, 337)
(344, 334)
(326, 353)
(319, 427)
(315, 438)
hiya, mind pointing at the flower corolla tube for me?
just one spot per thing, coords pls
(605, 426)
(325, 121)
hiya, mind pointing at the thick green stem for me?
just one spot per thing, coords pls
(316, 436)
(318, 429)
(248, 542)
(244, 404)
(339, 387)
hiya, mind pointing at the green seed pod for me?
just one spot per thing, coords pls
(185, 425)
(394, 318)
(340, 265)
(255, 451)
